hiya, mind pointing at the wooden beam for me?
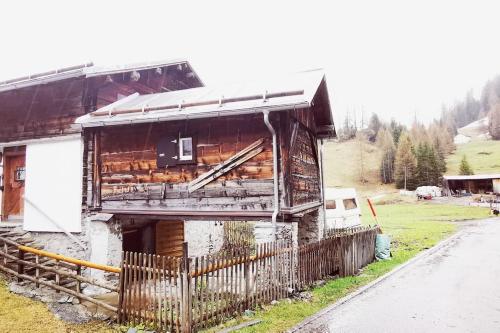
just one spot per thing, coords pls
(211, 174)
(226, 168)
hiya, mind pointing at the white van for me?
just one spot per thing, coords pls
(341, 208)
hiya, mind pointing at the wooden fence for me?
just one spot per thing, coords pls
(187, 294)
(61, 273)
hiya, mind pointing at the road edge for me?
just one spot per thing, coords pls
(364, 288)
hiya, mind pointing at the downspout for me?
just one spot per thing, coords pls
(275, 171)
(322, 177)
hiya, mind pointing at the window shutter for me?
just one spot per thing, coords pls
(166, 152)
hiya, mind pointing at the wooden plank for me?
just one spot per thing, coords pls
(225, 169)
(210, 173)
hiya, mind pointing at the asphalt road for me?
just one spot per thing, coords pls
(455, 289)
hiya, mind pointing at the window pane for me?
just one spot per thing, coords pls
(186, 149)
(350, 204)
(330, 204)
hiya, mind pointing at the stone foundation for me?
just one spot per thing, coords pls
(310, 228)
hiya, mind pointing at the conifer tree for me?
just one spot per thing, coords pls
(405, 163)
(428, 169)
(465, 168)
(386, 143)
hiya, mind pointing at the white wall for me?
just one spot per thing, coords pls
(203, 237)
(53, 187)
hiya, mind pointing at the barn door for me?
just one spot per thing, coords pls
(169, 238)
(14, 176)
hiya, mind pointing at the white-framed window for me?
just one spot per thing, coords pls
(186, 149)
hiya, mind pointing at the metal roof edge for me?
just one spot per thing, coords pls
(83, 120)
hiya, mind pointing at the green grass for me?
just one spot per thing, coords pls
(413, 228)
(20, 314)
(483, 156)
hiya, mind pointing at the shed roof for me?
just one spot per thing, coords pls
(287, 92)
(85, 70)
(472, 177)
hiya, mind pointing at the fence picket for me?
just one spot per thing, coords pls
(180, 295)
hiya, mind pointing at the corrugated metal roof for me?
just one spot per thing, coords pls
(472, 177)
(284, 92)
(84, 70)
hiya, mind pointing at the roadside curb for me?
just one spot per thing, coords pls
(354, 294)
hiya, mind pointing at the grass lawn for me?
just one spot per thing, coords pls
(413, 227)
(21, 314)
(483, 156)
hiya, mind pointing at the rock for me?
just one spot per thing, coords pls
(77, 314)
(290, 290)
(132, 330)
(319, 283)
(249, 313)
(63, 299)
(274, 302)
(304, 296)
(75, 301)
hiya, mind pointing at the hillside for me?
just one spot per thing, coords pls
(342, 165)
(483, 156)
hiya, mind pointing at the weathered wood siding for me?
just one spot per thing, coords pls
(299, 158)
(50, 109)
(304, 170)
(41, 111)
(131, 178)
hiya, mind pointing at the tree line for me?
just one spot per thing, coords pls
(411, 157)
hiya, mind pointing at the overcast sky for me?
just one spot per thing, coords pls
(395, 58)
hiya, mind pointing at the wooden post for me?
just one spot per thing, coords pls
(186, 292)
(20, 265)
(37, 270)
(58, 278)
(96, 188)
(6, 250)
(78, 283)
(247, 278)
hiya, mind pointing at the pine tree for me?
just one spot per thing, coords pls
(465, 168)
(405, 163)
(428, 169)
(386, 144)
(396, 130)
(374, 127)
(495, 122)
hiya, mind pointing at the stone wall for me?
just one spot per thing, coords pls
(310, 228)
(203, 237)
(264, 231)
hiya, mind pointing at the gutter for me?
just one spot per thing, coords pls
(86, 120)
(276, 204)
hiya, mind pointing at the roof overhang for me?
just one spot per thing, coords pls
(88, 70)
(473, 177)
(300, 91)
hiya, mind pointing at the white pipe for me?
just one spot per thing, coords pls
(275, 171)
(322, 177)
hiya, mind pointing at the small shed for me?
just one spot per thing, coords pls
(476, 184)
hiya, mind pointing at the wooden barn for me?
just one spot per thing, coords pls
(45, 160)
(170, 165)
(144, 158)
